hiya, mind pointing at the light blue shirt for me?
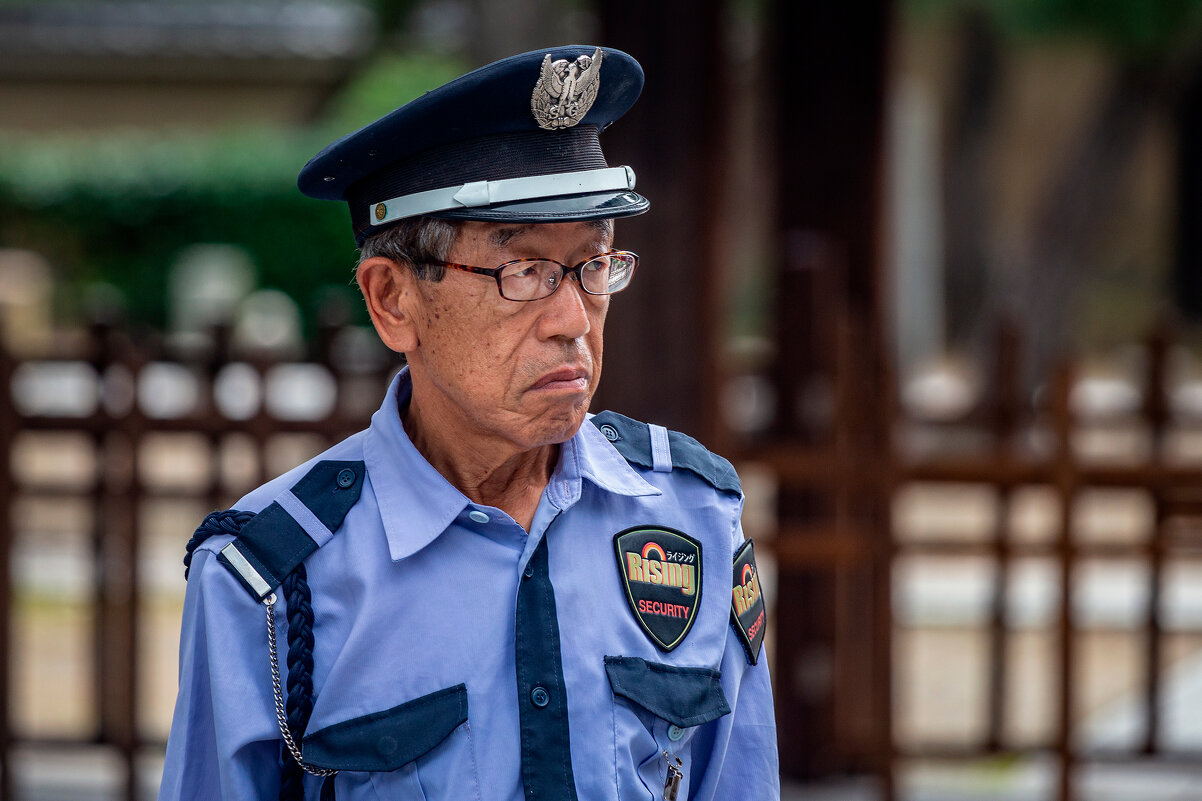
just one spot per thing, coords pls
(417, 592)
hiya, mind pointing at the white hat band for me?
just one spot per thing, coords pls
(507, 190)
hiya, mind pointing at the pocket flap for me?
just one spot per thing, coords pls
(684, 696)
(387, 740)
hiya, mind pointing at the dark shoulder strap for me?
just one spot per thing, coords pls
(268, 551)
(656, 448)
(298, 522)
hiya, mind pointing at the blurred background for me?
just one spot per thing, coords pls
(927, 270)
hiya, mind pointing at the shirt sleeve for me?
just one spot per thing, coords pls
(737, 758)
(224, 743)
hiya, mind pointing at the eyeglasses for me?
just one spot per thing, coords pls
(535, 279)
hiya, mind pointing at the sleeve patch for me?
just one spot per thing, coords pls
(747, 611)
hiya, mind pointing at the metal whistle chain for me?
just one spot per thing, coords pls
(277, 691)
(672, 783)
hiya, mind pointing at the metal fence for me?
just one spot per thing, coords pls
(91, 431)
(851, 547)
(82, 431)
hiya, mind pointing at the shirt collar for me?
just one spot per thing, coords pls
(417, 503)
(596, 459)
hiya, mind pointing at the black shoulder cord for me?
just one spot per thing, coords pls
(230, 521)
(300, 676)
(300, 649)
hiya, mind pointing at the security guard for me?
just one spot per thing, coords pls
(488, 594)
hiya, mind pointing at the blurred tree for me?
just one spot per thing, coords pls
(119, 208)
(1187, 273)
(1150, 44)
(969, 120)
(391, 77)
(392, 16)
(1135, 30)
(1132, 28)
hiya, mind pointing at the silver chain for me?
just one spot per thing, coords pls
(278, 691)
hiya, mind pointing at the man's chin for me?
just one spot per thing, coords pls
(559, 426)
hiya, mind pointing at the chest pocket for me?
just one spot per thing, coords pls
(657, 708)
(418, 751)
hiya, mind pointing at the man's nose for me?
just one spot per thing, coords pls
(566, 311)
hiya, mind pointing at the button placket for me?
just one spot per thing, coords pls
(546, 758)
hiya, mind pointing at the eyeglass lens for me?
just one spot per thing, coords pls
(531, 280)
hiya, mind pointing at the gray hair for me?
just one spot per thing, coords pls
(423, 242)
(420, 242)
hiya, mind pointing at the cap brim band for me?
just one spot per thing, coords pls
(480, 195)
(576, 208)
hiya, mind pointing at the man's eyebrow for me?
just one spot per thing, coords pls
(503, 236)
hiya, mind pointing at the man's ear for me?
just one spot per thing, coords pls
(390, 289)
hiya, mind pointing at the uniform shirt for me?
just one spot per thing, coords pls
(418, 598)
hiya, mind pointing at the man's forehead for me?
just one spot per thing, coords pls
(500, 234)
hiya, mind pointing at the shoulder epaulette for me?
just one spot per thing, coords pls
(661, 450)
(294, 525)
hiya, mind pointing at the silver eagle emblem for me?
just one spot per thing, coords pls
(565, 90)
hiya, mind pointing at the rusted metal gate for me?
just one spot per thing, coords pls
(829, 439)
(119, 489)
(1175, 490)
(833, 446)
(852, 556)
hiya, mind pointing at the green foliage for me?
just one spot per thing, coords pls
(390, 80)
(1132, 28)
(120, 211)
(121, 208)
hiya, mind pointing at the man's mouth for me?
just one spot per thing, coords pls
(571, 378)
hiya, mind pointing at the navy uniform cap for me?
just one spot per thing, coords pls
(514, 141)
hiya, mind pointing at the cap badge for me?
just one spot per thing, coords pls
(565, 90)
(381, 212)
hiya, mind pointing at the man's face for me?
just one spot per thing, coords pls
(499, 369)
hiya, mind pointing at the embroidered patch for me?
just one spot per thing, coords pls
(661, 574)
(747, 611)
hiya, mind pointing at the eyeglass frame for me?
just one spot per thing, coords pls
(495, 273)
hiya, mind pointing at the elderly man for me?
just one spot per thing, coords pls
(488, 594)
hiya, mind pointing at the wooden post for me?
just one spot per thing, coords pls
(1066, 486)
(1156, 413)
(664, 335)
(827, 93)
(1004, 409)
(117, 501)
(8, 431)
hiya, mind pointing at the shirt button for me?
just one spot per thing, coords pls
(540, 697)
(529, 571)
(610, 432)
(478, 516)
(346, 477)
(675, 732)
